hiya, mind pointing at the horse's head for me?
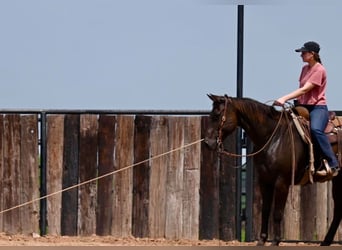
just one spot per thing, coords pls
(223, 120)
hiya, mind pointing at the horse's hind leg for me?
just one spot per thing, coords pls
(337, 196)
(267, 197)
(332, 229)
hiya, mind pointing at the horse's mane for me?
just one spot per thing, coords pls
(251, 106)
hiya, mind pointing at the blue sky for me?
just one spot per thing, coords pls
(158, 54)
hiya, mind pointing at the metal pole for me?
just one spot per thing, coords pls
(239, 85)
(239, 88)
(249, 193)
(43, 206)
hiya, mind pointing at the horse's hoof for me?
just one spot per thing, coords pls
(262, 240)
(275, 243)
(323, 243)
(261, 243)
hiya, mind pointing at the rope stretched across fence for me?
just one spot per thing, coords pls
(99, 177)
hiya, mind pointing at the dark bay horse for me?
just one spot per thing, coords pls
(280, 153)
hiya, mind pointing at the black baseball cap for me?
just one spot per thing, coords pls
(309, 47)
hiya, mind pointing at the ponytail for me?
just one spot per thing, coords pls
(317, 57)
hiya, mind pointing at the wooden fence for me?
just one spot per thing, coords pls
(146, 180)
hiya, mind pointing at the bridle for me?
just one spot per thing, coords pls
(219, 140)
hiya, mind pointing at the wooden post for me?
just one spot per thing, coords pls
(54, 165)
(122, 209)
(209, 186)
(141, 176)
(70, 175)
(105, 190)
(88, 171)
(11, 173)
(175, 175)
(191, 186)
(158, 177)
(30, 175)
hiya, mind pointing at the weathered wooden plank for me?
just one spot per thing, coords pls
(141, 176)
(70, 175)
(209, 190)
(192, 162)
(158, 177)
(88, 171)
(11, 174)
(106, 142)
(227, 191)
(123, 180)
(2, 169)
(257, 207)
(291, 222)
(175, 178)
(308, 212)
(321, 210)
(29, 168)
(54, 165)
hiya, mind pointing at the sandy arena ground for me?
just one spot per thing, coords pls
(36, 240)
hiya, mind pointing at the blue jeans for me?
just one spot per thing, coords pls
(319, 117)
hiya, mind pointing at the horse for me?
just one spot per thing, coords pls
(273, 133)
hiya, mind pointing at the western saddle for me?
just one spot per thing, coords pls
(333, 131)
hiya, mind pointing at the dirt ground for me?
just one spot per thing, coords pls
(36, 240)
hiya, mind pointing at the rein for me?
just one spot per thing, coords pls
(219, 137)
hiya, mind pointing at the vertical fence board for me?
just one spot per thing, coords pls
(175, 175)
(291, 222)
(192, 133)
(30, 175)
(257, 207)
(54, 165)
(158, 177)
(209, 195)
(141, 175)
(70, 175)
(106, 140)
(2, 169)
(321, 210)
(308, 212)
(227, 191)
(122, 210)
(88, 171)
(11, 174)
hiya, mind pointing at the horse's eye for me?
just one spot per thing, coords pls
(214, 116)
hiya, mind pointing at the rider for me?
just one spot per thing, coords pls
(311, 94)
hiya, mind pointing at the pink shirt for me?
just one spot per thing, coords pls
(317, 76)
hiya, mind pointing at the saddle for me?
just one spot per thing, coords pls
(333, 131)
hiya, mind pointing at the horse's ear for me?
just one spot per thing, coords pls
(226, 97)
(212, 97)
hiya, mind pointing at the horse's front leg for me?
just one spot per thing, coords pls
(280, 197)
(267, 198)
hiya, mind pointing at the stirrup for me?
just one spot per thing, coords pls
(328, 171)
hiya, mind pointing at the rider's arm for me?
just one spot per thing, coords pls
(298, 92)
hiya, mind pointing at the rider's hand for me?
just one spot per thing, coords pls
(279, 102)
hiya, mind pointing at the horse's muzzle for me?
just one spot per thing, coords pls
(211, 143)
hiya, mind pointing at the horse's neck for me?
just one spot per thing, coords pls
(256, 124)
